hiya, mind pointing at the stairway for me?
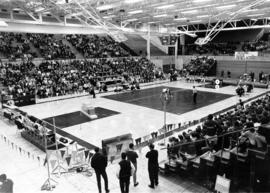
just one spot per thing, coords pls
(32, 47)
(138, 44)
(72, 48)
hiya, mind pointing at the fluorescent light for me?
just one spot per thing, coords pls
(226, 6)
(3, 24)
(200, 1)
(104, 7)
(133, 19)
(195, 21)
(203, 16)
(255, 15)
(162, 15)
(190, 12)
(249, 10)
(132, 1)
(165, 6)
(180, 19)
(135, 11)
(108, 16)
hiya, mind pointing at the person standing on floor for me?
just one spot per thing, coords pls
(125, 170)
(153, 166)
(99, 163)
(7, 184)
(194, 94)
(132, 156)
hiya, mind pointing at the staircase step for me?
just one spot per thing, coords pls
(72, 48)
(32, 47)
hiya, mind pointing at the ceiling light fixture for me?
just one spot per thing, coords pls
(190, 12)
(105, 7)
(132, 1)
(200, 1)
(165, 6)
(255, 15)
(130, 20)
(203, 16)
(135, 11)
(226, 6)
(195, 21)
(162, 15)
(180, 19)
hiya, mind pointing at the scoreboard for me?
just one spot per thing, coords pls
(168, 40)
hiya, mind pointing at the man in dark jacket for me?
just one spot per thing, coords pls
(124, 172)
(153, 167)
(99, 163)
(7, 184)
(132, 156)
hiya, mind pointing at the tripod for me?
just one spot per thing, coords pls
(48, 184)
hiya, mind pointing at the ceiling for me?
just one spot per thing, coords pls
(139, 13)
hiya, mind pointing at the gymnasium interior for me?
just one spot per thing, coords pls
(190, 77)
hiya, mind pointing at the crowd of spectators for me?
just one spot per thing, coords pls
(19, 79)
(199, 66)
(255, 46)
(93, 46)
(236, 125)
(54, 78)
(50, 48)
(212, 49)
(14, 45)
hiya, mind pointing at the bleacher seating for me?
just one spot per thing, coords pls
(201, 66)
(93, 46)
(54, 78)
(237, 149)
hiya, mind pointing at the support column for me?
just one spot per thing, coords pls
(176, 51)
(65, 20)
(148, 43)
(11, 15)
(40, 18)
(182, 43)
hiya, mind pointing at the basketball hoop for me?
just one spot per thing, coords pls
(165, 99)
(202, 41)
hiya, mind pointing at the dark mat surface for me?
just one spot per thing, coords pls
(76, 118)
(181, 102)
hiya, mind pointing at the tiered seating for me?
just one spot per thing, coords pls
(255, 46)
(19, 79)
(93, 46)
(201, 66)
(212, 49)
(10, 50)
(56, 78)
(49, 47)
(226, 144)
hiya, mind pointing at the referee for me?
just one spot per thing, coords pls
(194, 94)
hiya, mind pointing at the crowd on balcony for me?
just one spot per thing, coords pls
(236, 125)
(50, 47)
(211, 49)
(93, 46)
(199, 66)
(53, 78)
(14, 45)
(255, 46)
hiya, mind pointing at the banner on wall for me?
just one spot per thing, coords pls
(245, 55)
